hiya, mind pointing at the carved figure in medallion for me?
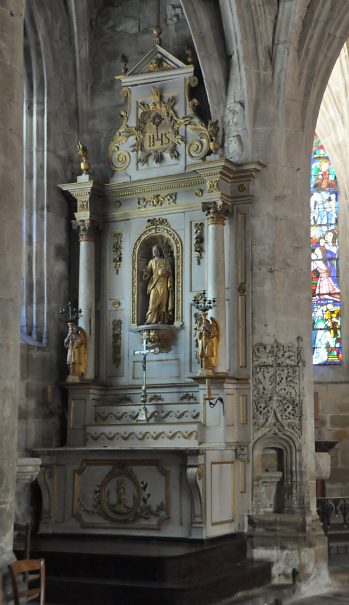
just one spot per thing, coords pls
(76, 345)
(121, 505)
(158, 273)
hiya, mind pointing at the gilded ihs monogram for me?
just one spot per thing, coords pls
(157, 130)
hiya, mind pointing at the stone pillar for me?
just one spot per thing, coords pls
(11, 186)
(27, 471)
(216, 213)
(87, 294)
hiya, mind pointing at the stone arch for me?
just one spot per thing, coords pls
(276, 488)
(210, 46)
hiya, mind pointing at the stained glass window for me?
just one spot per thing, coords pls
(326, 303)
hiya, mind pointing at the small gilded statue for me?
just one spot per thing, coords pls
(76, 345)
(158, 273)
(206, 339)
(206, 334)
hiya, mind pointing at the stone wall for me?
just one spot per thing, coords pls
(43, 364)
(11, 74)
(123, 27)
(332, 424)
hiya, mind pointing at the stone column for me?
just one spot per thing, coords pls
(87, 288)
(216, 213)
(11, 187)
(27, 471)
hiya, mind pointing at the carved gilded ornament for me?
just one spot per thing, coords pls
(188, 397)
(157, 223)
(198, 241)
(116, 342)
(86, 229)
(143, 435)
(122, 495)
(121, 498)
(156, 398)
(117, 251)
(120, 158)
(158, 64)
(157, 130)
(212, 186)
(132, 416)
(207, 135)
(158, 339)
(216, 212)
(116, 304)
(157, 200)
(82, 205)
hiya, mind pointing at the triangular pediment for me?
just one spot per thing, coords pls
(157, 59)
(156, 65)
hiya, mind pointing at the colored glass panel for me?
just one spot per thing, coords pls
(326, 303)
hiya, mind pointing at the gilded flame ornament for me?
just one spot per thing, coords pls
(83, 154)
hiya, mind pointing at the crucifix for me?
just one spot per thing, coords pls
(143, 414)
(73, 312)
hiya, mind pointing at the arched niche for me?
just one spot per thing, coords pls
(276, 473)
(159, 233)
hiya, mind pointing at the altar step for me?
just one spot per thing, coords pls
(91, 570)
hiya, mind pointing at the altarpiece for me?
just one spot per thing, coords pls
(171, 458)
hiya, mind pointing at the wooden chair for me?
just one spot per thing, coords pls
(28, 580)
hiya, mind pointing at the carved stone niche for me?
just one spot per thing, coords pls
(158, 234)
(276, 474)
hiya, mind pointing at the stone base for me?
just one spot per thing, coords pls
(297, 549)
(168, 492)
(112, 570)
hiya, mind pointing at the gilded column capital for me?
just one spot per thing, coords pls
(216, 212)
(86, 229)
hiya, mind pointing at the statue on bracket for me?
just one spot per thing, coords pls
(159, 275)
(206, 340)
(76, 345)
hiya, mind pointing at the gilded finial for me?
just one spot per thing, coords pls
(189, 52)
(157, 31)
(83, 154)
(213, 130)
